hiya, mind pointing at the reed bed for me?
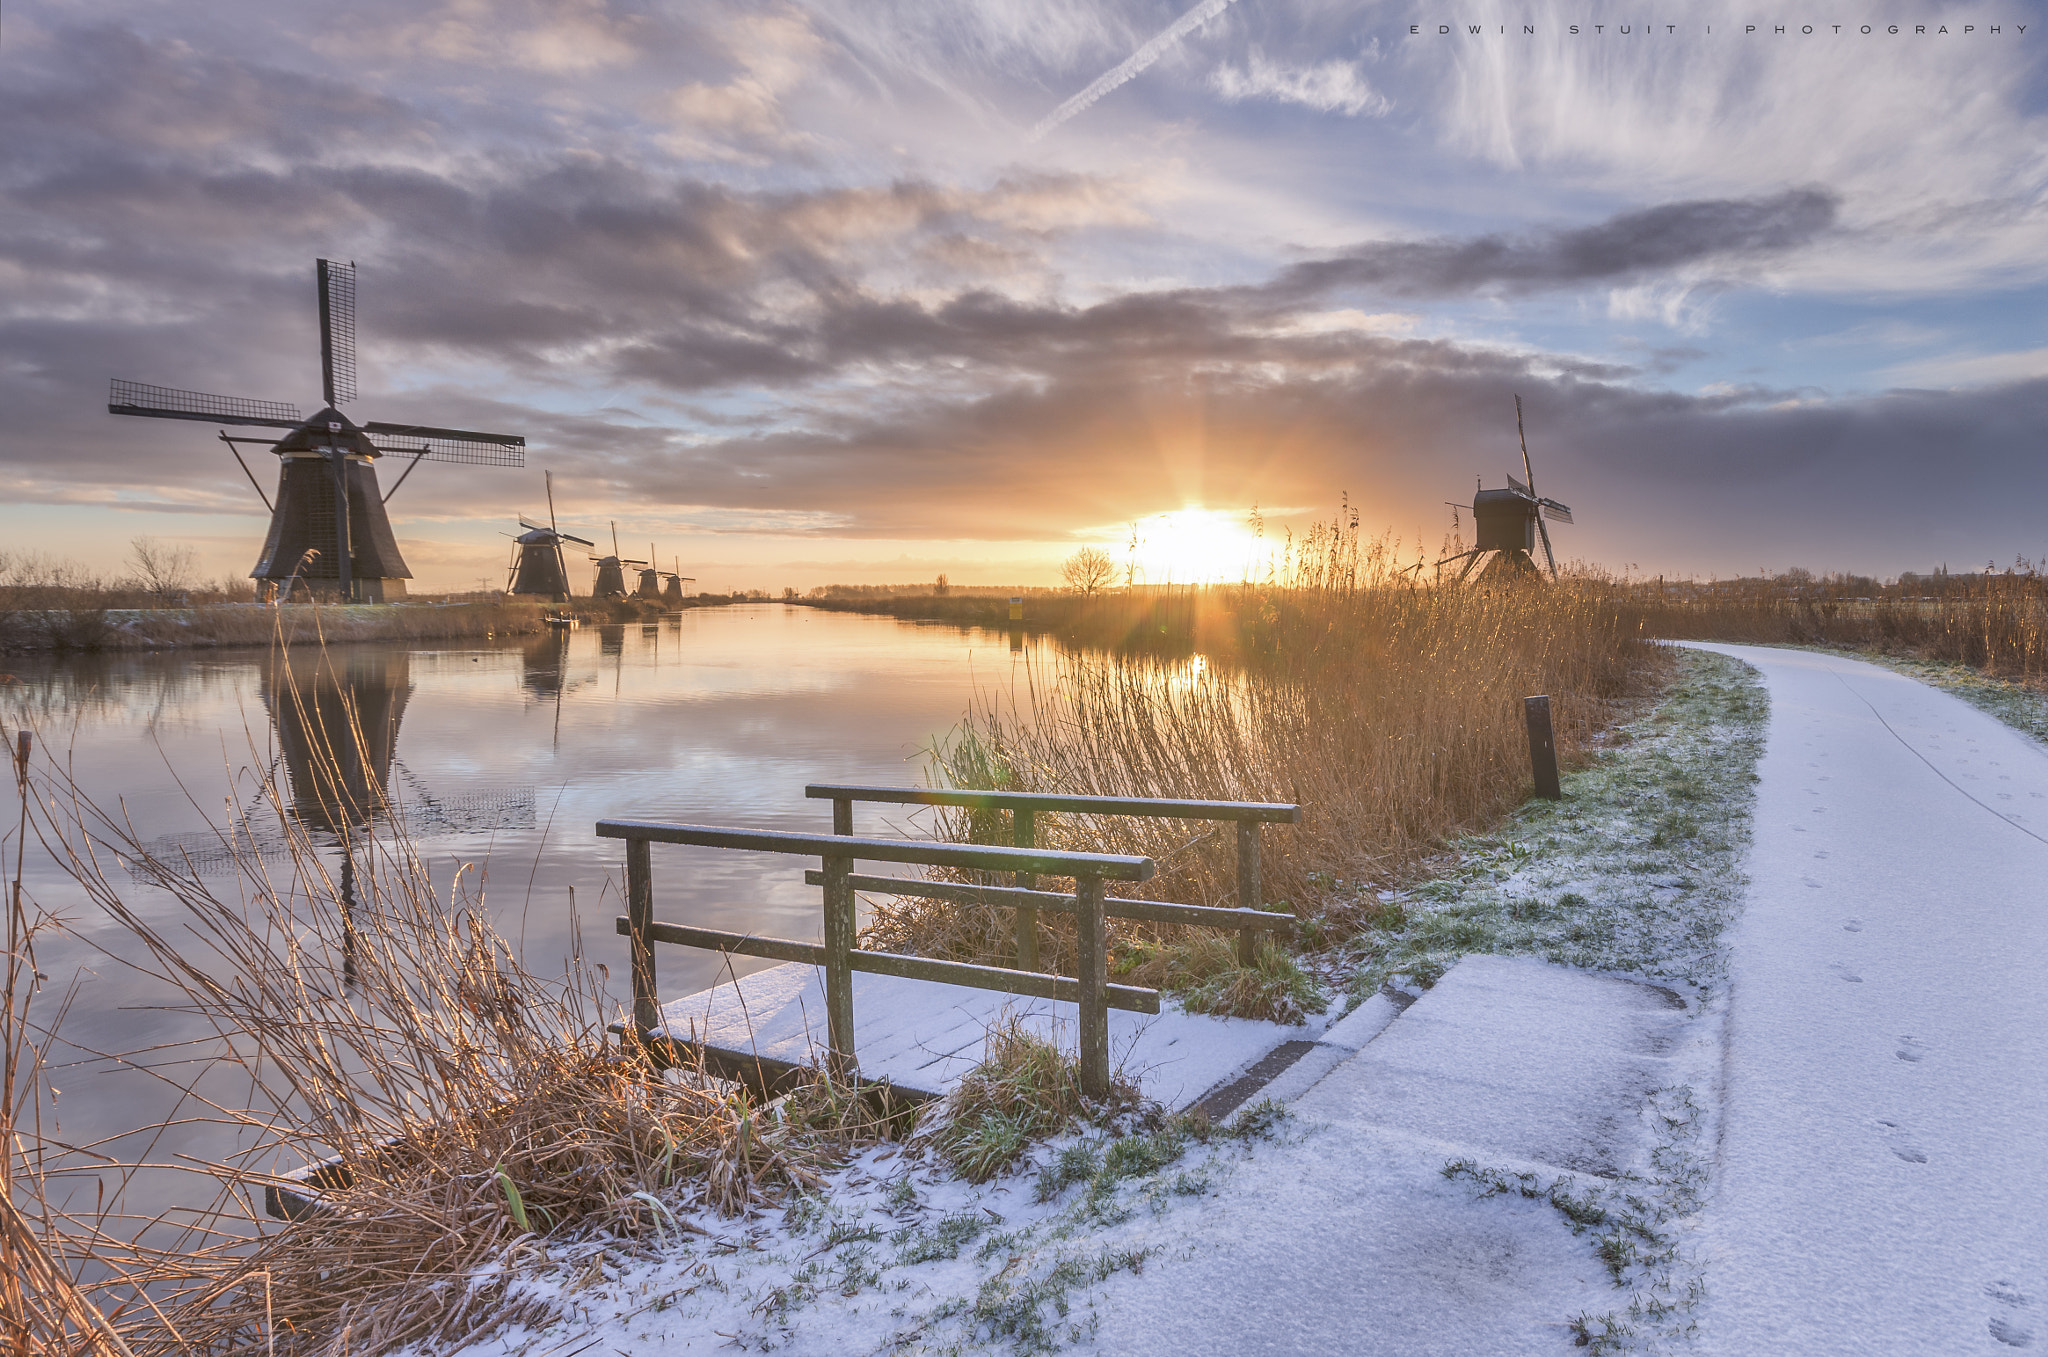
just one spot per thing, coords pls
(471, 1118)
(1389, 708)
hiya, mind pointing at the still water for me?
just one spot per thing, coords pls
(502, 754)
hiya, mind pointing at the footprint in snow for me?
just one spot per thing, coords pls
(1912, 1049)
(1846, 974)
(1853, 926)
(2008, 1329)
(1901, 1144)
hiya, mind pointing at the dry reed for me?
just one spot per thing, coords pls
(1389, 709)
(470, 1114)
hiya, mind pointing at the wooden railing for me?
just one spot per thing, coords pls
(839, 956)
(1248, 919)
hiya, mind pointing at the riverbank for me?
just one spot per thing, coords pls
(91, 629)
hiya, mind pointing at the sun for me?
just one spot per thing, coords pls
(1193, 546)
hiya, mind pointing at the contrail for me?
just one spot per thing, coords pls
(1133, 64)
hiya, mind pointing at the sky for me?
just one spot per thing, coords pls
(867, 291)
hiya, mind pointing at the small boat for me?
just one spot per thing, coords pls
(567, 620)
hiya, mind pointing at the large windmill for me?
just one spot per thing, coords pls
(328, 525)
(1510, 521)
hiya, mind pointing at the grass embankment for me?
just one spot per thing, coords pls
(1390, 712)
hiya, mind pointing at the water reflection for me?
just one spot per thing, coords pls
(497, 754)
(337, 713)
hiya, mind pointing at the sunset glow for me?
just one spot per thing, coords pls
(1196, 546)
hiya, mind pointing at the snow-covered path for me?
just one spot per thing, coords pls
(1884, 1163)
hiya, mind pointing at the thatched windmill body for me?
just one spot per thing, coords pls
(1511, 522)
(328, 527)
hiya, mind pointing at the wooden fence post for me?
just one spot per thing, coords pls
(1249, 888)
(639, 917)
(839, 940)
(1094, 976)
(1025, 835)
(1542, 747)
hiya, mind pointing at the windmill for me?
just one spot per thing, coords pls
(611, 571)
(650, 579)
(672, 592)
(1510, 521)
(537, 563)
(328, 525)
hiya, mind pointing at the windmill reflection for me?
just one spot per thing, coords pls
(336, 713)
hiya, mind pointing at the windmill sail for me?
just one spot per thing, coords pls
(467, 447)
(164, 402)
(337, 329)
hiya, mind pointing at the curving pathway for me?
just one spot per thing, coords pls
(1884, 1162)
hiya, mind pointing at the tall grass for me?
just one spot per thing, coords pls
(1390, 709)
(1995, 621)
(473, 1116)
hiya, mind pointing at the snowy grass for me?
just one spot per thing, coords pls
(895, 1254)
(1636, 871)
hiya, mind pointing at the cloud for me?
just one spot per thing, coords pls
(1656, 240)
(1327, 87)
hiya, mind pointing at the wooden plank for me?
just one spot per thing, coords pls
(1024, 834)
(1250, 888)
(839, 942)
(739, 944)
(640, 913)
(1010, 897)
(1129, 998)
(765, 1076)
(1108, 866)
(1094, 981)
(1269, 812)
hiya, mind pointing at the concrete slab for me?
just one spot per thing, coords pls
(1511, 1055)
(1350, 1241)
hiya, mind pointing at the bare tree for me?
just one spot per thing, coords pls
(164, 569)
(1088, 571)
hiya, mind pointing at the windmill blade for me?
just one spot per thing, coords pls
(572, 537)
(1544, 533)
(1526, 470)
(467, 447)
(163, 402)
(1558, 513)
(337, 285)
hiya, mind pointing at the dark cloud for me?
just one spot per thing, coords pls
(1631, 245)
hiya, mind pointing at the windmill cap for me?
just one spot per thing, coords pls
(327, 428)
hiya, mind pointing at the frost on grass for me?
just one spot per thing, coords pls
(1636, 872)
(895, 1254)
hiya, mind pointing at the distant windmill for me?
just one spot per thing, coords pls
(328, 523)
(537, 563)
(611, 571)
(650, 579)
(1510, 521)
(672, 592)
